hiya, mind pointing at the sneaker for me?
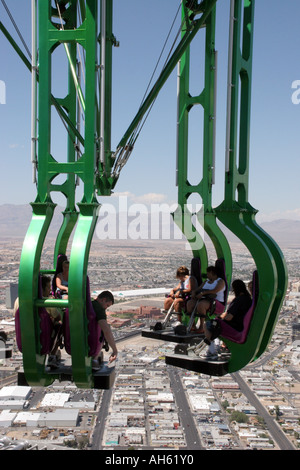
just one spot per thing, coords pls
(52, 362)
(58, 356)
(210, 356)
(95, 364)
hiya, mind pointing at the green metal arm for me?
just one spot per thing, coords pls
(186, 40)
(186, 103)
(238, 215)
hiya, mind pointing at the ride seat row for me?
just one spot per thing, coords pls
(47, 333)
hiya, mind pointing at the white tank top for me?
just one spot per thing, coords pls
(211, 286)
(185, 284)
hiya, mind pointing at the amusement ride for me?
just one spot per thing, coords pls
(85, 30)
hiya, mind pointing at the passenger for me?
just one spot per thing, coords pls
(46, 293)
(236, 311)
(213, 288)
(178, 295)
(55, 354)
(60, 259)
(62, 279)
(104, 300)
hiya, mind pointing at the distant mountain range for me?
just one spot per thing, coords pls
(15, 219)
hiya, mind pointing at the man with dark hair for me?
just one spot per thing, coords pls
(104, 300)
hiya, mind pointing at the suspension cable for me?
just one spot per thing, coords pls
(122, 154)
(79, 94)
(16, 27)
(72, 67)
(163, 48)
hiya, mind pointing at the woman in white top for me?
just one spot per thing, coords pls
(215, 286)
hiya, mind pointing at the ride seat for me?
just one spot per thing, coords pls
(95, 335)
(196, 270)
(47, 336)
(219, 307)
(239, 337)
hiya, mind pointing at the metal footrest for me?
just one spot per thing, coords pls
(169, 335)
(216, 368)
(5, 349)
(5, 353)
(103, 378)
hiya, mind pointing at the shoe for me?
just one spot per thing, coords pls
(52, 362)
(58, 356)
(210, 356)
(95, 364)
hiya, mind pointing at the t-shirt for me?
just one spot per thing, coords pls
(211, 285)
(99, 310)
(238, 308)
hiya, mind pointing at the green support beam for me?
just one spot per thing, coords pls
(70, 34)
(186, 102)
(236, 212)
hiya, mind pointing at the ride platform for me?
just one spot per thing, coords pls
(5, 349)
(103, 379)
(168, 334)
(5, 353)
(218, 367)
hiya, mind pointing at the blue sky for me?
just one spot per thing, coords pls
(141, 27)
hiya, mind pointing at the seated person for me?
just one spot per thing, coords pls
(54, 313)
(236, 311)
(62, 279)
(178, 295)
(104, 300)
(213, 288)
(46, 290)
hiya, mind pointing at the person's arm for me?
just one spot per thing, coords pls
(226, 316)
(175, 292)
(197, 290)
(232, 310)
(109, 338)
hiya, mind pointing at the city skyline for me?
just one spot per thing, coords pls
(197, 401)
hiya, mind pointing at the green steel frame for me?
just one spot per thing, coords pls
(186, 102)
(95, 168)
(235, 212)
(51, 35)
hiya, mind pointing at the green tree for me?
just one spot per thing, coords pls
(239, 417)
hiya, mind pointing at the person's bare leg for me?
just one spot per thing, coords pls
(202, 308)
(168, 302)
